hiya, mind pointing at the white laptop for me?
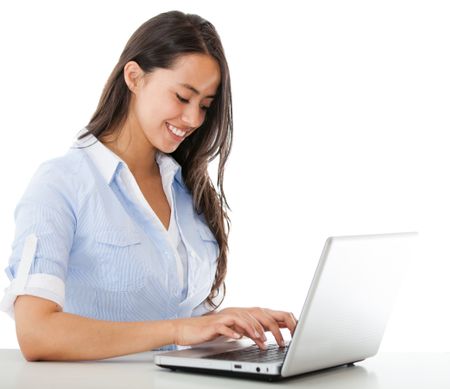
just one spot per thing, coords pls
(342, 320)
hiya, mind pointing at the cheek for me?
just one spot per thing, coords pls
(153, 113)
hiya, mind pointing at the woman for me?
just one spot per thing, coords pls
(120, 244)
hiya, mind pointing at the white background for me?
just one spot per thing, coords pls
(341, 115)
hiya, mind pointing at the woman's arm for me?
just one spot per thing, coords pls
(45, 332)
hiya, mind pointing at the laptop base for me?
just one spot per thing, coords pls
(228, 373)
(252, 376)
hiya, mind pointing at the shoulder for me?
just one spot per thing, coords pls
(56, 178)
(62, 168)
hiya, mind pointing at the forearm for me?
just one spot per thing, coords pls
(64, 336)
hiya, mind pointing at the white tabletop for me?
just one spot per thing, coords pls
(386, 370)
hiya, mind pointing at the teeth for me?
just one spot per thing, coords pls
(176, 131)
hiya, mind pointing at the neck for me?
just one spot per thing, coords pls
(135, 150)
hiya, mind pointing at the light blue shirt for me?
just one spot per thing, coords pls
(99, 252)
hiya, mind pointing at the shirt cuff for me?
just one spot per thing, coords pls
(42, 285)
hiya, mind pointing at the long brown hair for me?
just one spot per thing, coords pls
(158, 43)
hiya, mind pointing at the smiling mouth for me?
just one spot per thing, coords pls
(177, 131)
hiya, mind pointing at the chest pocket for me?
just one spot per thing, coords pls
(209, 244)
(121, 264)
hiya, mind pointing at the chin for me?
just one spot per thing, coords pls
(167, 149)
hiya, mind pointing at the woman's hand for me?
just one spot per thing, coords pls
(234, 323)
(264, 319)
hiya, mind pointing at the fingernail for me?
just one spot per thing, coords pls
(283, 344)
(257, 334)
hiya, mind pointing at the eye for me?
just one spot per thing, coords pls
(186, 101)
(182, 99)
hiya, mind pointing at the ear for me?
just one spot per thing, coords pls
(132, 74)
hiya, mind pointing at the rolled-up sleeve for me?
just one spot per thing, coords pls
(45, 226)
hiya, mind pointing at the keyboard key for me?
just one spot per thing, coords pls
(273, 353)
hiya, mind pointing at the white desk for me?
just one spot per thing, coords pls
(386, 370)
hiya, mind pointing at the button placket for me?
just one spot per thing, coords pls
(191, 255)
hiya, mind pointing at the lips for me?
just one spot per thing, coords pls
(181, 132)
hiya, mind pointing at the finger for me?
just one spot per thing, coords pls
(286, 317)
(284, 325)
(239, 329)
(293, 318)
(233, 319)
(258, 326)
(275, 329)
(270, 322)
(260, 342)
(222, 329)
(294, 321)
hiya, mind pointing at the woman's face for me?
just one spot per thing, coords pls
(170, 104)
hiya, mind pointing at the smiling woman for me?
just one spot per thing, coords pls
(121, 244)
(157, 101)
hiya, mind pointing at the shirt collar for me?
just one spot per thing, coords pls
(107, 162)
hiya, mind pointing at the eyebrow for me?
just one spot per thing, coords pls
(190, 87)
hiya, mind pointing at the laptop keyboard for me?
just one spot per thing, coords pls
(253, 353)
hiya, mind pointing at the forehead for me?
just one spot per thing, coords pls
(200, 71)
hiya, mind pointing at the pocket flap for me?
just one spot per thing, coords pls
(117, 237)
(206, 233)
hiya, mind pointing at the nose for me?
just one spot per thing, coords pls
(193, 116)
